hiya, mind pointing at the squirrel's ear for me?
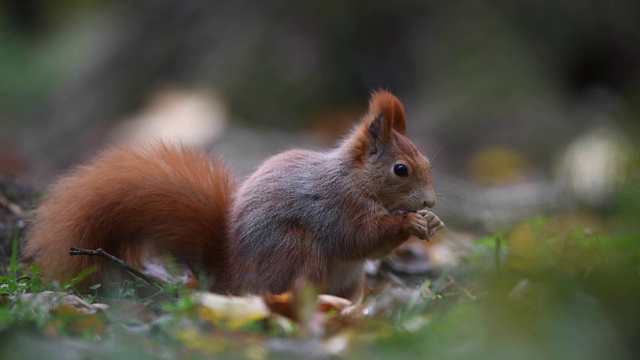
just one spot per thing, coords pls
(376, 133)
(385, 106)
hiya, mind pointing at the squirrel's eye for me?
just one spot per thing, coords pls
(401, 170)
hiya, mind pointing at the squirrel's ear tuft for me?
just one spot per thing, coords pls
(385, 104)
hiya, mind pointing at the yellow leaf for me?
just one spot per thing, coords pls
(233, 312)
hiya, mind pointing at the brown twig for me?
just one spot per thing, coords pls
(124, 265)
(13, 208)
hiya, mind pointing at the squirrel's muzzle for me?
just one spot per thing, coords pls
(430, 201)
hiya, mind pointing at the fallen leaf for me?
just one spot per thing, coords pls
(232, 312)
(76, 320)
(327, 303)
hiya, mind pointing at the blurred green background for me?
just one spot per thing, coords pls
(538, 98)
(525, 108)
(528, 76)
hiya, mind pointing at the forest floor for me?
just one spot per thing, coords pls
(557, 286)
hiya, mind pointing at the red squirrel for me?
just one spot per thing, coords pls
(302, 214)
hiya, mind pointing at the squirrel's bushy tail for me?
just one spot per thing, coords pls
(135, 203)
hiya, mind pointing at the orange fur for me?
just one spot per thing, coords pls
(385, 104)
(132, 200)
(387, 107)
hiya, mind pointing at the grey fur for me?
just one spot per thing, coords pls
(317, 216)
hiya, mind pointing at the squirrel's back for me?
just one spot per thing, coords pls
(137, 203)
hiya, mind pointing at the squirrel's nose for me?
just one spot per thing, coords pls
(429, 203)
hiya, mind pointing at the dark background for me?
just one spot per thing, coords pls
(499, 90)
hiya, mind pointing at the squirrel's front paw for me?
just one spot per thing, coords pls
(433, 222)
(415, 224)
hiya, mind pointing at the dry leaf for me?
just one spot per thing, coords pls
(77, 320)
(327, 303)
(233, 312)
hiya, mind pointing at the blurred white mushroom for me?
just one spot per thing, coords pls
(176, 115)
(593, 164)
